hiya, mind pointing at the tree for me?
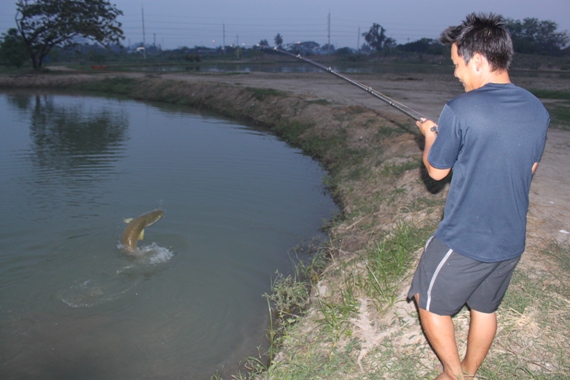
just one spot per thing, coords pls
(532, 36)
(304, 48)
(376, 38)
(423, 46)
(44, 24)
(278, 40)
(12, 49)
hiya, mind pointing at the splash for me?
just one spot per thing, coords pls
(153, 254)
(103, 288)
(97, 291)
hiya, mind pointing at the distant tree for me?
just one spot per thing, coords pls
(344, 51)
(44, 24)
(278, 40)
(365, 48)
(12, 49)
(304, 48)
(532, 36)
(263, 43)
(326, 48)
(376, 38)
(423, 46)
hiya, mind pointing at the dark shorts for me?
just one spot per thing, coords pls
(446, 280)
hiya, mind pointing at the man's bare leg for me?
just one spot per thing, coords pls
(482, 330)
(440, 333)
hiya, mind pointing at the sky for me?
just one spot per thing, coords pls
(213, 23)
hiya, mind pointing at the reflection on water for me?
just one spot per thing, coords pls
(69, 137)
(236, 201)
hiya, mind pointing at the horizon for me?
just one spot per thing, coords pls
(175, 23)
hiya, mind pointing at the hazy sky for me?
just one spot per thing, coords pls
(174, 23)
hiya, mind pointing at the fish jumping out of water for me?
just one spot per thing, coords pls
(135, 229)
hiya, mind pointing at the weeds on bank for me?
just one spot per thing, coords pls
(264, 93)
(341, 315)
(394, 169)
(389, 260)
(332, 150)
(533, 340)
(289, 297)
(118, 85)
(561, 253)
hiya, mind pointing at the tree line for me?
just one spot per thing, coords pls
(45, 25)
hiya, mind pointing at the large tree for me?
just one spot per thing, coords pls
(12, 49)
(44, 24)
(376, 38)
(532, 36)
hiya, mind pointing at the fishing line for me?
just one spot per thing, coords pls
(386, 99)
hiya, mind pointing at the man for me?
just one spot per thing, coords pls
(492, 137)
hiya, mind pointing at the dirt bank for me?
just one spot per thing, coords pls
(373, 156)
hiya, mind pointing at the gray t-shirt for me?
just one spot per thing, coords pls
(490, 137)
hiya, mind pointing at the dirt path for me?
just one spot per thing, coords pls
(549, 216)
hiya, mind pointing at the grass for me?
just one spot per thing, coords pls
(559, 109)
(560, 115)
(551, 94)
(533, 342)
(340, 314)
(264, 93)
(119, 85)
(396, 169)
(388, 260)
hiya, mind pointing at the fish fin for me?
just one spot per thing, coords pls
(128, 220)
(141, 236)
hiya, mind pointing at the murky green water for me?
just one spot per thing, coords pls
(72, 306)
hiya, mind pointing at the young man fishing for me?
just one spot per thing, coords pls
(492, 137)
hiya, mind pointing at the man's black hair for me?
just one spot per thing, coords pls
(481, 33)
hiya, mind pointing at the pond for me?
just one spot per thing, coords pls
(236, 203)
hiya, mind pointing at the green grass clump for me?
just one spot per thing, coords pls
(400, 168)
(383, 267)
(118, 85)
(389, 260)
(264, 93)
(560, 115)
(559, 109)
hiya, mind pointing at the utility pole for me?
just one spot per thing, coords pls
(358, 41)
(144, 35)
(329, 36)
(224, 37)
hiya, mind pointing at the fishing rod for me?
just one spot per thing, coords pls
(399, 106)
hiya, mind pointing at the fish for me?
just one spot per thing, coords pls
(135, 229)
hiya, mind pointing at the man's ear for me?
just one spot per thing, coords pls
(478, 61)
